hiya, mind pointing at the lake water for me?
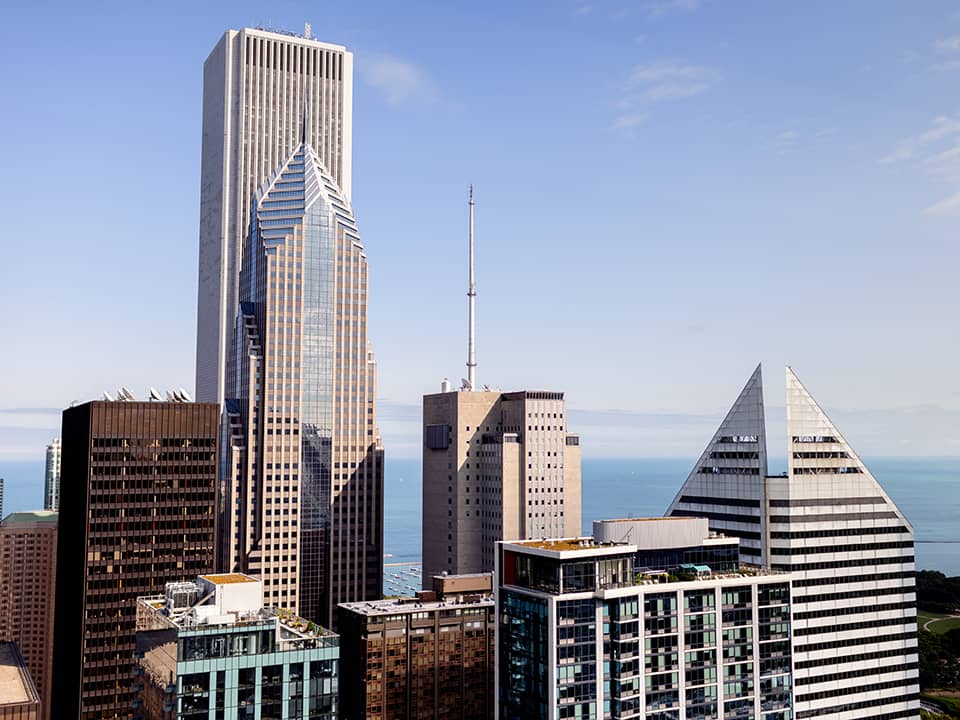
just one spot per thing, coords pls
(926, 490)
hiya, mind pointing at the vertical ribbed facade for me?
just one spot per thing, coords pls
(304, 509)
(257, 87)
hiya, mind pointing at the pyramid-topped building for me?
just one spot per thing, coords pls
(302, 500)
(830, 524)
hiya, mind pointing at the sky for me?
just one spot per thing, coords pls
(668, 192)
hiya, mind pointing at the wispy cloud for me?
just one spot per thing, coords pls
(582, 10)
(786, 141)
(943, 126)
(948, 45)
(947, 206)
(655, 82)
(936, 151)
(947, 66)
(659, 8)
(400, 81)
(629, 120)
(670, 80)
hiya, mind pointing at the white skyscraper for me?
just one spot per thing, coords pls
(258, 86)
(847, 545)
(51, 477)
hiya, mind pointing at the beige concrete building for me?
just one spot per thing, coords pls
(496, 466)
(18, 696)
(28, 570)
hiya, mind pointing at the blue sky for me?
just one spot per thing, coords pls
(668, 193)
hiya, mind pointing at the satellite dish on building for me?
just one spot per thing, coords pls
(155, 395)
(107, 396)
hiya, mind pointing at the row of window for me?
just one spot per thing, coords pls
(856, 562)
(854, 547)
(865, 625)
(855, 641)
(859, 657)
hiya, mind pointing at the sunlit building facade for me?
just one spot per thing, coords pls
(302, 495)
(833, 527)
(256, 84)
(583, 634)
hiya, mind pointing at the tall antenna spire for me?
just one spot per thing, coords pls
(472, 304)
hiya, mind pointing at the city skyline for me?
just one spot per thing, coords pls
(823, 206)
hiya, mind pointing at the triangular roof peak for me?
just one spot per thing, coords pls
(811, 431)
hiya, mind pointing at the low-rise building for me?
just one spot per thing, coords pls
(428, 657)
(18, 696)
(210, 649)
(594, 628)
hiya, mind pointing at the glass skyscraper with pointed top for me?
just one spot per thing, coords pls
(281, 323)
(302, 502)
(256, 84)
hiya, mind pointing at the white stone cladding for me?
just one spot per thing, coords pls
(850, 552)
(257, 87)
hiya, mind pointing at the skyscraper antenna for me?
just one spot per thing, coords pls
(472, 303)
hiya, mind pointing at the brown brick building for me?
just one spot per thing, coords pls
(425, 658)
(138, 508)
(28, 561)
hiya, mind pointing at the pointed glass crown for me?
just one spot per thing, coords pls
(297, 185)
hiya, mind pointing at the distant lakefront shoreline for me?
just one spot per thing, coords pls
(927, 490)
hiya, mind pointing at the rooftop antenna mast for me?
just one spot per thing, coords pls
(472, 304)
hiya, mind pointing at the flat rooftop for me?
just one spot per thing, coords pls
(228, 578)
(570, 544)
(646, 519)
(31, 517)
(16, 686)
(403, 606)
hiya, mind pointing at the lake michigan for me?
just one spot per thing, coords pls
(927, 490)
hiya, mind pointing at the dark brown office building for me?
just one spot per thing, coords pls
(137, 509)
(28, 567)
(430, 657)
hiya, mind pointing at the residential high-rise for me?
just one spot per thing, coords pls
(209, 648)
(18, 696)
(302, 503)
(495, 466)
(429, 657)
(28, 567)
(51, 477)
(138, 508)
(848, 546)
(255, 86)
(590, 628)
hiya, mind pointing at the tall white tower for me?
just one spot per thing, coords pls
(256, 87)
